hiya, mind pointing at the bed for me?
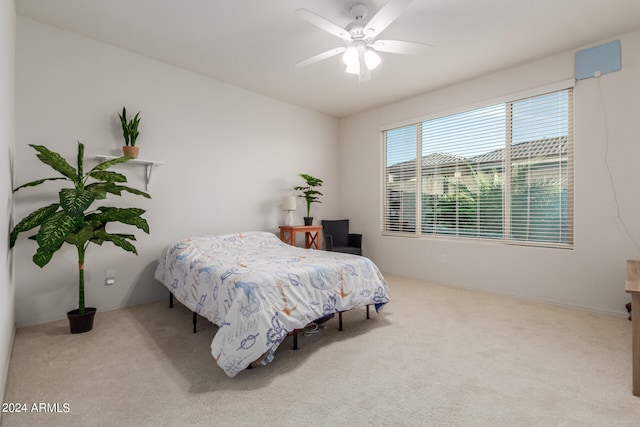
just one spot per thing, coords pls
(258, 289)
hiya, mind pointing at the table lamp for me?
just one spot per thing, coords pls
(289, 205)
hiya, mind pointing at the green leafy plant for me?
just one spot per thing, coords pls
(129, 127)
(70, 220)
(476, 208)
(309, 193)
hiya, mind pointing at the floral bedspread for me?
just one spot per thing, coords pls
(257, 289)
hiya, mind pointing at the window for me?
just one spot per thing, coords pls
(503, 172)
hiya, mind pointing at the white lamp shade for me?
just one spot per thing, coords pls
(350, 56)
(289, 203)
(372, 59)
(353, 68)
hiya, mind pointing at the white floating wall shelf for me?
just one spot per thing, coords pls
(148, 164)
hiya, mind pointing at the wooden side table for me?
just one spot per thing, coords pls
(632, 285)
(312, 235)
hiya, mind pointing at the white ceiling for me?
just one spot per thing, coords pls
(254, 44)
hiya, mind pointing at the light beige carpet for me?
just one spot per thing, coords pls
(436, 356)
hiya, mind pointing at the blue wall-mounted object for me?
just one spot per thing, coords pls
(598, 60)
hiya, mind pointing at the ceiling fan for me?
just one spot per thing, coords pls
(359, 52)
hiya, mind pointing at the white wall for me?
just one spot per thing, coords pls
(230, 156)
(591, 275)
(7, 132)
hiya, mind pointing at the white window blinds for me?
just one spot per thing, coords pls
(500, 172)
(401, 147)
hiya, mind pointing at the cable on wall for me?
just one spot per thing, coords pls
(603, 117)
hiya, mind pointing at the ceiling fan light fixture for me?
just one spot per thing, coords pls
(350, 56)
(360, 44)
(372, 59)
(353, 68)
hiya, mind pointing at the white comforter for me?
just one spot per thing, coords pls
(257, 289)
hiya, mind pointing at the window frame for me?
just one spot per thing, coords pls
(417, 231)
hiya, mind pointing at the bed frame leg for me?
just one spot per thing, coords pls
(295, 339)
(170, 300)
(195, 321)
(367, 311)
(340, 321)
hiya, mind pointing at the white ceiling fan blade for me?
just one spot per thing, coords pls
(324, 24)
(321, 56)
(386, 16)
(397, 46)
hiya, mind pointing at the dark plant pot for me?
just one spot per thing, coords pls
(308, 220)
(79, 323)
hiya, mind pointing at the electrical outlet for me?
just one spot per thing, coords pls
(110, 278)
(444, 259)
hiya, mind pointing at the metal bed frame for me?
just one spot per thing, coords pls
(294, 332)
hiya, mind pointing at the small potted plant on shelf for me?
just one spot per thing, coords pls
(71, 220)
(310, 194)
(130, 133)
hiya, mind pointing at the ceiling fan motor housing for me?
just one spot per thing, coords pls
(357, 32)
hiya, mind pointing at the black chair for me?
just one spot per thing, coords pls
(338, 239)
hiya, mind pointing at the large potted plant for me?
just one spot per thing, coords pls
(72, 220)
(130, 133)
(309, 194)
